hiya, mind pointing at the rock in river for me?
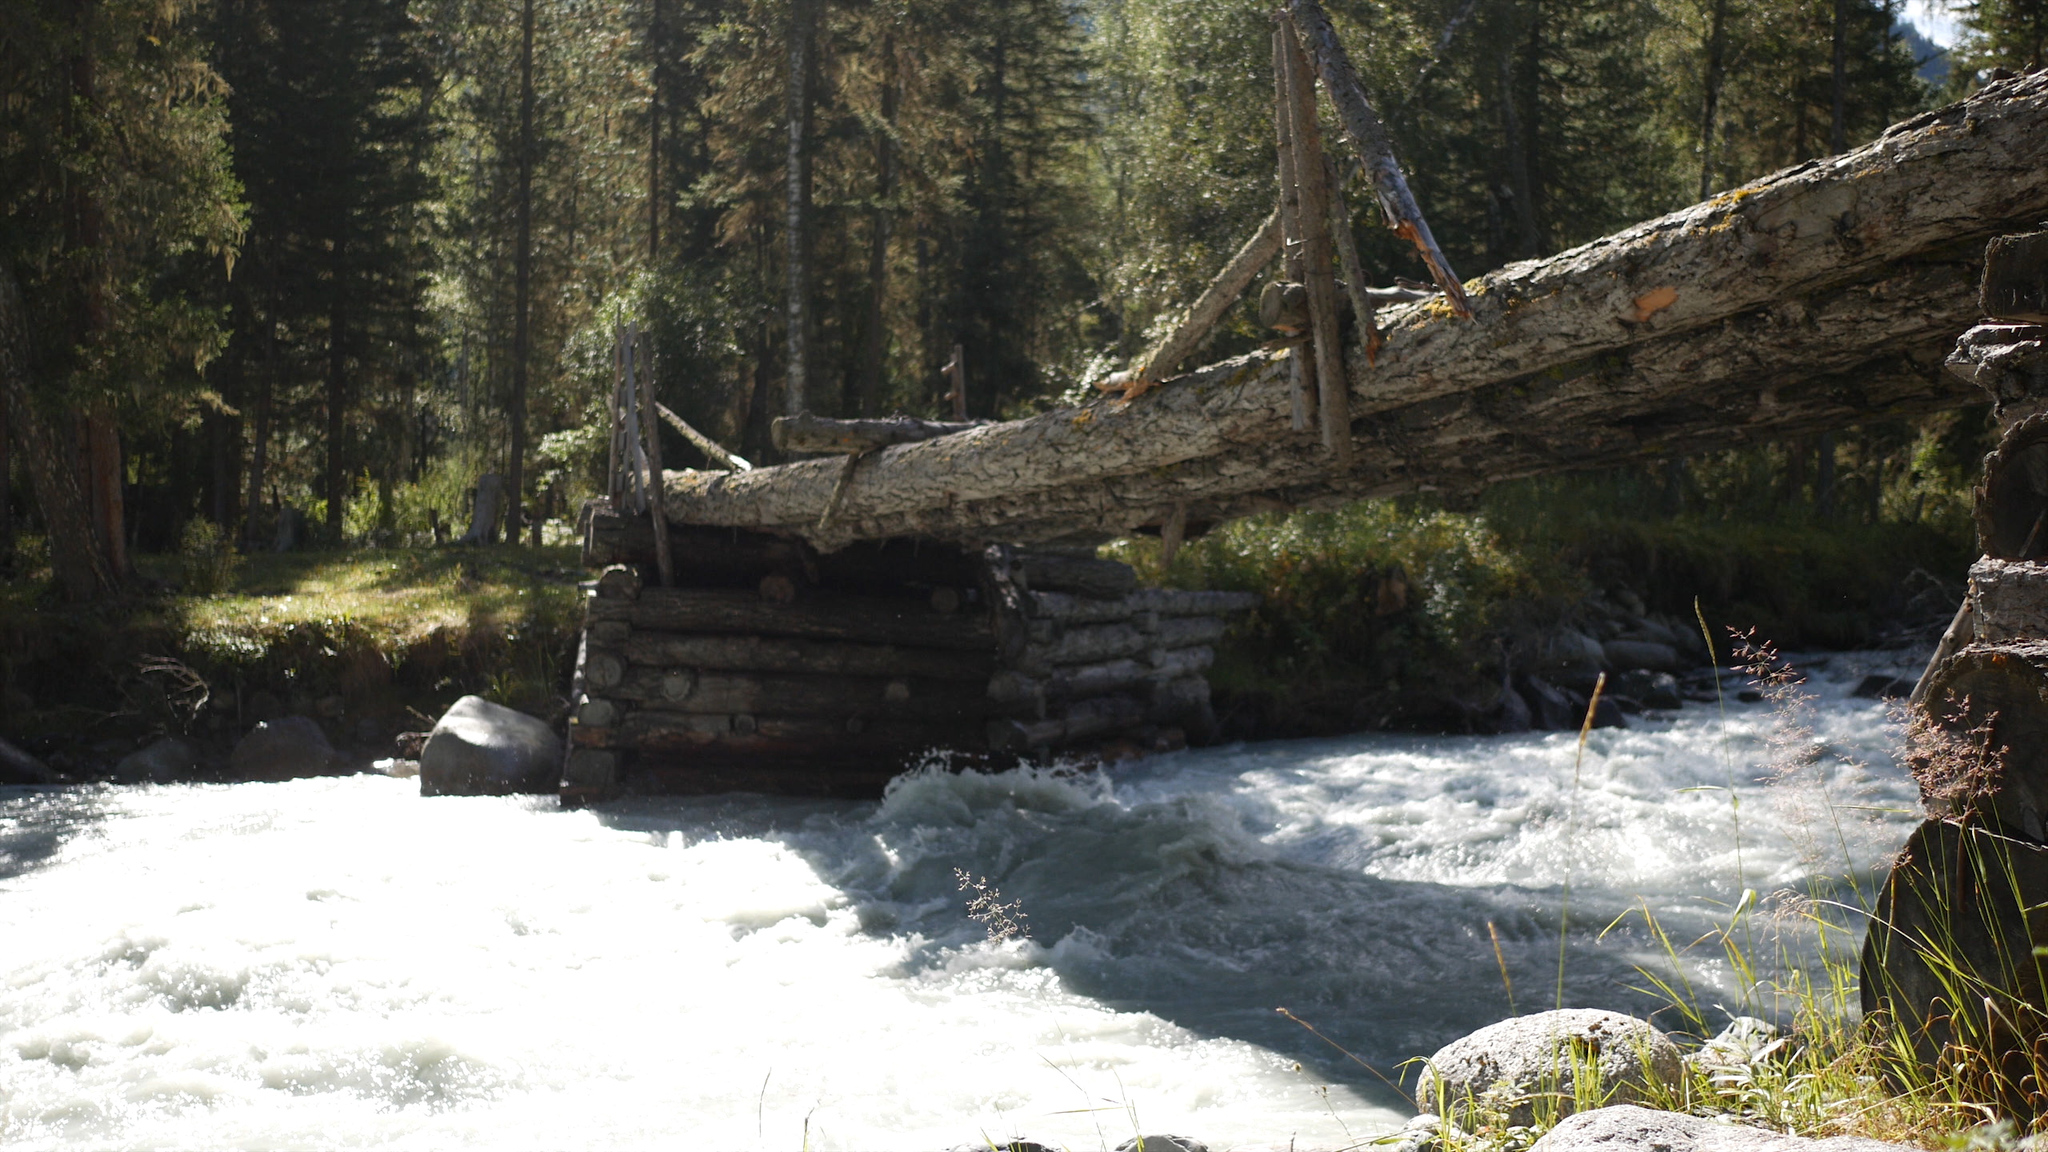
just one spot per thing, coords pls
(284, 749)
(1512, 1066)
(483, 749)
(1626, 1128)
(159, 763)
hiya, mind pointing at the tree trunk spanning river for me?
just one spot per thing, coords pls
(340, 962)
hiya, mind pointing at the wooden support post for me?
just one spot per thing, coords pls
(1300, 372)
(614, 476)
(1172, 533)
(1222, 292)
(1367, 134)
(705, 444)
(635, 448)
(665, 563)
(1369, 337)
(1333, 385)
(956, 371)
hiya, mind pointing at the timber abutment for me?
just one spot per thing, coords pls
(765, 665)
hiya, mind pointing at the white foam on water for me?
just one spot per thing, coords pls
(338, 962)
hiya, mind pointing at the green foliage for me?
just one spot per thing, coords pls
(207, 558)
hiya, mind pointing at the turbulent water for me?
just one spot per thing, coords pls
(337, 962)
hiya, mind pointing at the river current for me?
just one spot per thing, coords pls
(337, 962)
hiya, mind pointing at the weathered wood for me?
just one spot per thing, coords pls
(1083, 720)
(828, 740)
(1362, 125)
(824, 435)
(817, 616)
(657, 511)
(705, 444)
(1070, 609)
(2016, 278)
(1216, 299)
(1355, 286)
(2008, 361)
(1093, 643)
(908, 697)
(1952, 966)
(733, 558)
(619, 582)
(789, 654)
(1014, 688)
(1086, 575)
(2009, 599)
(1318, 256)
(1979, 746)
(1817, 294)
(2012, 500)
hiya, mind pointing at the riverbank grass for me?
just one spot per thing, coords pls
(369, 641)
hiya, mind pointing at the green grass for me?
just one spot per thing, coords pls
(387, 636)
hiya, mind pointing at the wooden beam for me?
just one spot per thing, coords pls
(1318, 255)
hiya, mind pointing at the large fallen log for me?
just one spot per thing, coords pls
(1820, 295)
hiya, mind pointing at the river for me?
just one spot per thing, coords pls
(336, 962)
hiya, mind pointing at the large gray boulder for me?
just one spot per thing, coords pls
(483, 749)
(1652, 655)
(1512, 1067)
(159, 763)
(1162, 1143)
(1627, 1128)
(283, 749)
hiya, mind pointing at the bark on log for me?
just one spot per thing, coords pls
(2016, 278)
(1362, 125)
(1011, 688)
(817, 616)
(841, 697)
(1069, 609)
(1222, 292)
(1094, 643)
(1083, 720)
(1318, 257)
(1819, 294)
(2012, 500)
(1953, 963)
(2009, 361)
(1980, 746)
(705, 444)
(824, 435)
(786, 654)
(1085, 575)
(2009, 600)
(815, 739)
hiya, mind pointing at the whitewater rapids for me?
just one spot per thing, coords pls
(338, 962)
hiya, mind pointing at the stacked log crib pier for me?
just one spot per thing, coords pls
(767, 666)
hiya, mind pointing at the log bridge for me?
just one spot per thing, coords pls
(813, 625)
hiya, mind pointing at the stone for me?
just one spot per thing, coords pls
(283, 749)
(1512, 1067)
(1551, 708)
(1627, 1128)
(1162, 1143)
(1573, 653)
(483, 749)
(1738, 1048)
(159, 763)
(1003, 1146)
(1429, 1133)
(1654, 689)
(18, 767)
(1651, 655)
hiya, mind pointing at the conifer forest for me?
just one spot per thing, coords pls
(329, 261)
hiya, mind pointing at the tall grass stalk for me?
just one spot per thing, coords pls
(1564, 915)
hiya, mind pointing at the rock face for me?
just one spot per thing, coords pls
(1517, 1065)
(160, 763)
(1162, 1144)
(1626, 1128)
(483, 749)
(283, 749)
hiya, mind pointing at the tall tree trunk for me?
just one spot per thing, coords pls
(1824, 478)
(1518, 162)
(1532, 130)
(100, 439)
(803, 29)
(6, 492)
(259, 446)
(50, 451)
(1838, 129)
(337, 404)
(522, 281)
(873, 339)
(1710, 104)
(656, 45)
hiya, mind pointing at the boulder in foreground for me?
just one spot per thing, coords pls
(1627, 1128)
(483, 749)
(1512, 1067)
